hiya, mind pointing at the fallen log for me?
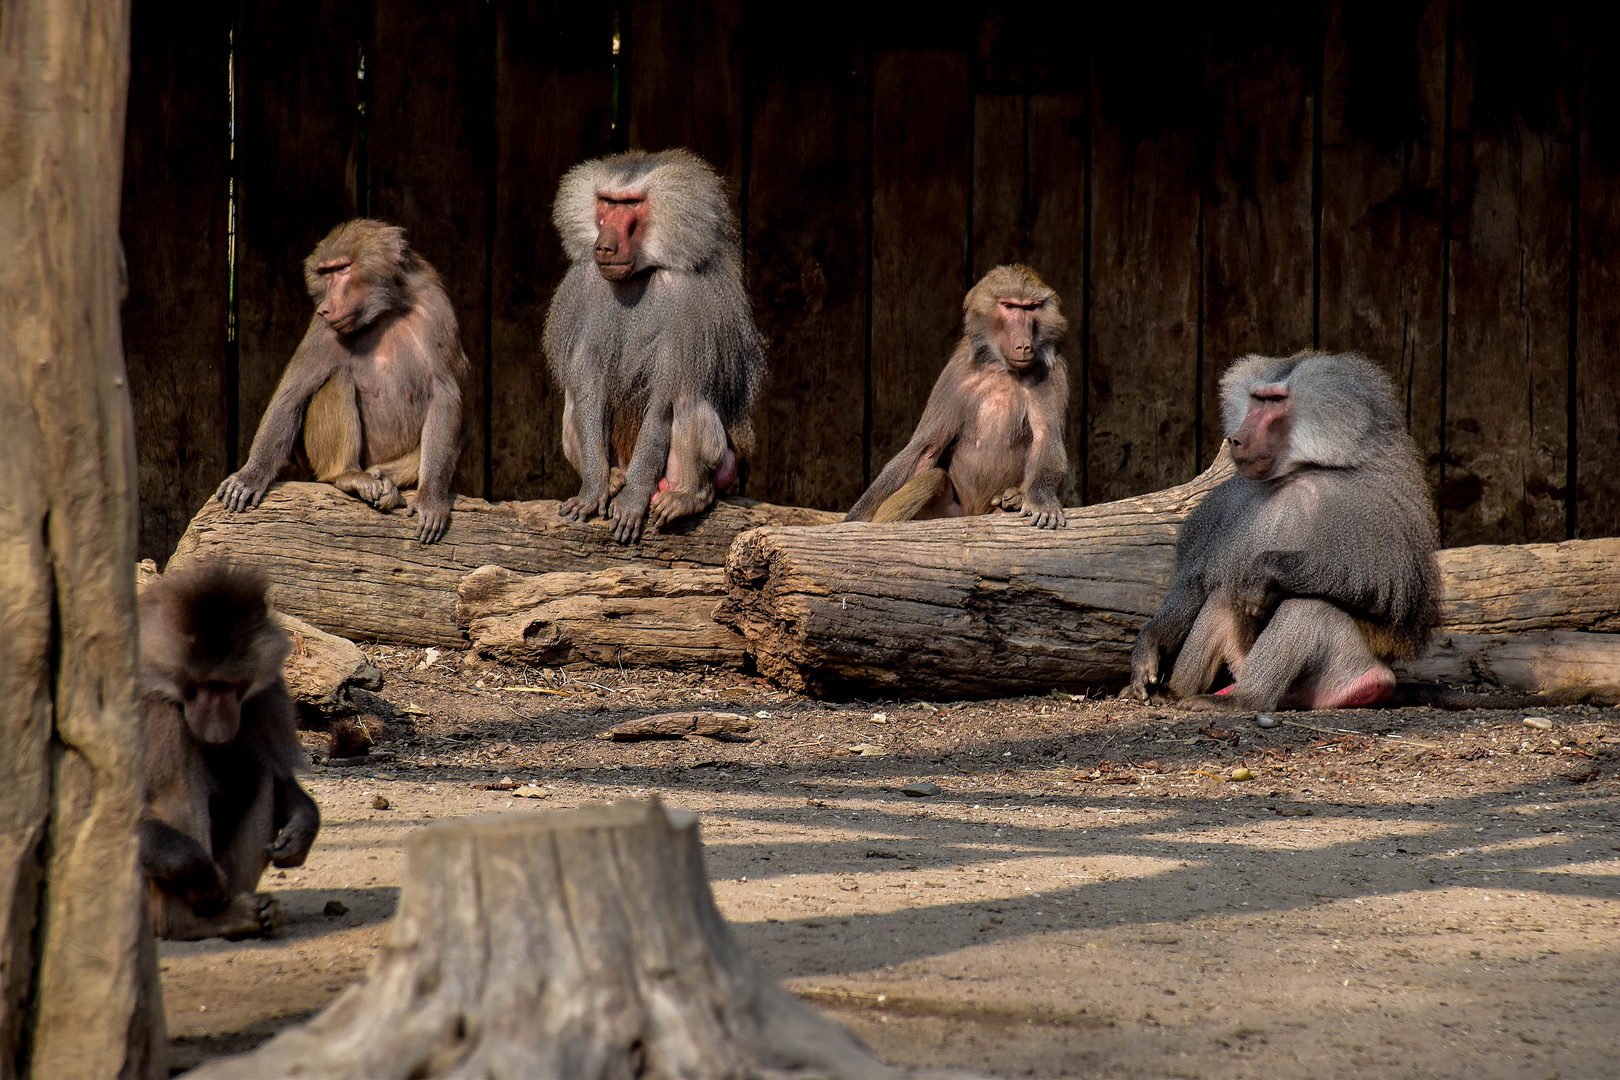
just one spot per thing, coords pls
(581, 943)
(632, 615)
(361, 574)
(1565, 665)
(977, 606)
(678, 725)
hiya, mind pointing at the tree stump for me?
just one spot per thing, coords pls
(576, 944)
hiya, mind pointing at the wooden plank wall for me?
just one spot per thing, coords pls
(1433, 182)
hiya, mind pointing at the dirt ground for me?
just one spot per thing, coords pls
(1395, 893)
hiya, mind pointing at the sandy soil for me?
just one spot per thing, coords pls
(1396, 893)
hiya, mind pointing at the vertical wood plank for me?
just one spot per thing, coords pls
(553, 109)
(297, 97)
(1258, 220)
(1383, 175)
(1597, 375)
(429, 150)
(920, 180)
(1055, 245)
(1508, 349)
(807, 243)
(999, 177)
(1147, 116)
(174, 235)
(686, 80)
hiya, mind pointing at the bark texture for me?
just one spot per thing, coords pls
(78, 974)
(627, 615)
(578, 944)
(360, 574)
(985, 606)
(1564, 664)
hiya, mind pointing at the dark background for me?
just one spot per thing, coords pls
(1434, 183)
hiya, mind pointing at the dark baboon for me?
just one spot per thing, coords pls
(1303, 576)
(651, 338)
(219, 748)
(371, 400)
(991, 436)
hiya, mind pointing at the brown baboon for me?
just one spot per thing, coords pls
(991, 435)
(1300, 578)
(219, 748)
(371, 400)
(651, 337)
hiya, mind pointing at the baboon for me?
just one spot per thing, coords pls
(651, 338)
(1299, 579)
(220, 748)
(991, 435)
(371, 400)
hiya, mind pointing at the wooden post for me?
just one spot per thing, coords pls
(78, 972)
(579, 943)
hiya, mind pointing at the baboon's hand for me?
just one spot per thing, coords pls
(291, 845)
(378, 489)
(1259, 592)
(584, 506)
(1144, 668)
(629, 513)
(1046, 514)
(1010, 500)
(241, 490)
(433, 517)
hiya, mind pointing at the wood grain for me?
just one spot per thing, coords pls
(1142, 369)
(1383, 175)
(1562, 664)
(297, 176)
(617, 926)
(357, 573)
(807, 220)
(1597, 312)
(553, 109)
(430, 154)
(686, 86)
(174, 235)
(79, 991)
(634, 616)
(1507, 412)
(920, 189)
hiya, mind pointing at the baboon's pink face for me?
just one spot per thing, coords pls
(1017, 325)
(347, 295)
(621, 224)
(1260, 445)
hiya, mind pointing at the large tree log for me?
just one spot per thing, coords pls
(78, 970)
(360, 574)
(1563, 664)
(988, 605)
(631, 615)
(580, 944)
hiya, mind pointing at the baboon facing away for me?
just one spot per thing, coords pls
(651, 337)
(991, 435)
(1299, 579)
(220, 750)
(371, 400)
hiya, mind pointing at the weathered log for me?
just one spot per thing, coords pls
(360, 574)
(634, 615)
(582, 944)
(1565, 665)
(979, 605)
(79, 992)
(987, 605)
(678, 725)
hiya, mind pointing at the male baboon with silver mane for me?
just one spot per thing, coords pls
(1299, 579)
(651, 337)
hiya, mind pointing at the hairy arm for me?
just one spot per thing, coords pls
(629, 507)
(270, 721)
(441, 443)
(939, 427)
(1197, 546)
(314, 361)
(1047, 465)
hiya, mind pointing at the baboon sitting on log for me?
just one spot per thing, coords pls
(1299, 579)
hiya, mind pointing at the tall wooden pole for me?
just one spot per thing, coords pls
(77, 968)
